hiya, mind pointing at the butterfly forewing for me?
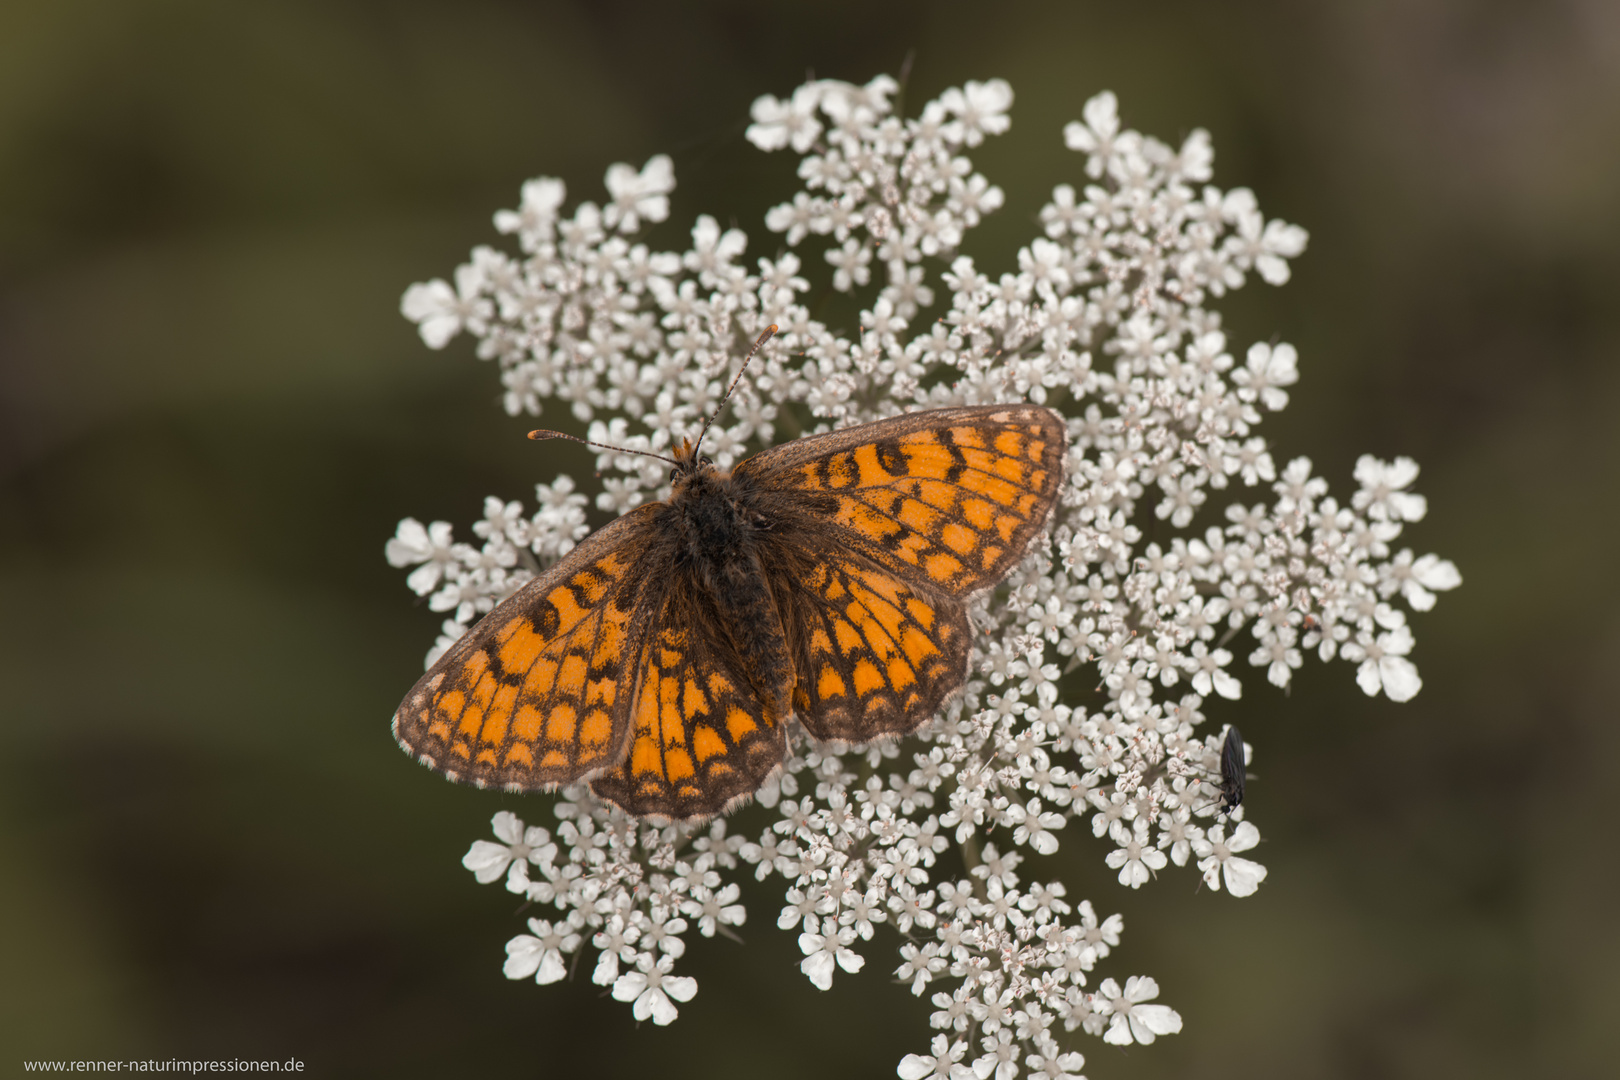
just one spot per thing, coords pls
(956, 495)
(534, 695)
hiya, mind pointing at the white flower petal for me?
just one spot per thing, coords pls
(680, 987)
(487, 861)
(1242, 876)
(523, 956)
(1148, 1021)
(1436, 573)
(607, 968)
(1367, 678)
(916, 1067)
(656, 1004)
(1141, 988)
(1400, 678)
(818, 967)
(1244, 837)
(629, 986)
(552, 968)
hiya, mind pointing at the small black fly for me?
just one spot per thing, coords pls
(1232, 771)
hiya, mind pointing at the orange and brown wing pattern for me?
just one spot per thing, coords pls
(875, 657)
(703, 737)
(952, 495)
(532, 696)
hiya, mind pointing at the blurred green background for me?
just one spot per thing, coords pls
(212, 416)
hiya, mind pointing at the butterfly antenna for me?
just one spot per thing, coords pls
(546, 433)
(758, 345)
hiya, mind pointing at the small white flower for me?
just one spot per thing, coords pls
(618, 496)
(980, 109)
(1056, 1067)
(536, 215)
(541, 954)
(1037, 829)
(1278, 656)
(638, 196)
(1095, 137)
(428, 546)
(651, 989)
(1382, 495)
(822, 950)
(1279, 243)
(1219, 859)
(713, 250)
(1267, 370)
(1209, 672)
(1383, 664)
(920, 967)
(519, 844)
(616, 940)
(661, 930)
(943, 1064)
(716, 909)
(440, 312)
(778, 124)
(1130, 1019)
(1134, 859)
(1000, 1059)
(1414, 580)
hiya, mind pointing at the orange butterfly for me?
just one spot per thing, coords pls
(823, 579)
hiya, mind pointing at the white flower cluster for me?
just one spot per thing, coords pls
(1105, 318)
(470, 581)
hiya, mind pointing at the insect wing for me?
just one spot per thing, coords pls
(1232, 771)
(703, 737)
(534, 695)
(875, 656)
(950, 497)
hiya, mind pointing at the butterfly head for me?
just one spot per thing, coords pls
(689, 463)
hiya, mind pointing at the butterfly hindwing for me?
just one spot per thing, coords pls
(703, 734)
(951, 496)
(875, 656)
(534, 694)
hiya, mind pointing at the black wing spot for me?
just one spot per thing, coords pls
(582, 596)
(890, 458)
(548, 620)
(958, 462)
(824, 472)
